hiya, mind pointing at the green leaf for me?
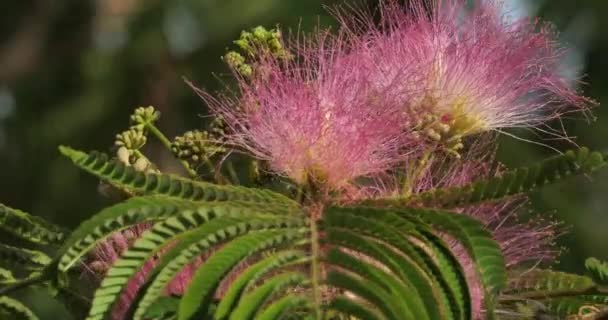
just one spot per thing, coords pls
(431, 260)
(598, 270)
(380, 297)
(253, 301)
(560, 294)
(389, 239)
(163, 308)
(409, 274)
(249, 276)
(7, 277)
(114, 219)
(227, 221)
(127, 178)
(23, 259)
(283, 306)
(359, 311)
(27, 227)
(510, 183)
(15, 310)
(582, 305)
(195, 243)
(206, 279)
(405, 293)
(484, 251)
(540, 284)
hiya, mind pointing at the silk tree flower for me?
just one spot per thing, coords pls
(316, 116)
(469, 70)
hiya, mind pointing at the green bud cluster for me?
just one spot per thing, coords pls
(249, 42)
(260, 37)
(443, 132)
(196, 147)
(143, 115)
(237, 62)
(132, 139)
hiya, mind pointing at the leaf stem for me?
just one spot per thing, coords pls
(566, 293)
(141, 155)
(414, 174)
(163, 139)
(24, 283)
(232, 172)
(316, 251)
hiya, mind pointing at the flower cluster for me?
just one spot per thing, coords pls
(415, 97)
(472, 69)
(352, 105)
(422, 89)
(316, 117)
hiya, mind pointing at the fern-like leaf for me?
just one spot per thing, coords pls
(27, 227)
(352, 308)
(196, 243)
(418, 283)
(15, 310)
(252, 302)
(539, 284)
(284, 306)
(476, 239)
(434, 259)
(127, 178)
(559, 294)
(406, 245)
(23, 259)
(229, 222)
(6, 277)
(598, 270)
(207, 278)
(513, 182)
(250, 276)
(164, 308)
(116, 218)
(583, 307)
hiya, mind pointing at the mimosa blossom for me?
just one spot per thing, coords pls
(316, 116)
(474, 69)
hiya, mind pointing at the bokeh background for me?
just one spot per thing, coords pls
(71, 72)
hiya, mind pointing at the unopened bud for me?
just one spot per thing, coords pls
(141, 164)
(123, 155)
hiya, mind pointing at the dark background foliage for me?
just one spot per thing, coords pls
(71, 72)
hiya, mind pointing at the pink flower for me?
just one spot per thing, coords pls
(316, 116)
(472, 68)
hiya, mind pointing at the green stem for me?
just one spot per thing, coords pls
(316, 251)
(24, 283)
(163, 139)
(300, 195)
(567, 293)
(139, 154)
(232, 172)
(211, 169)
(414, 175)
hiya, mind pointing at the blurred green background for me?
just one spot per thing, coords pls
(71, 72)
